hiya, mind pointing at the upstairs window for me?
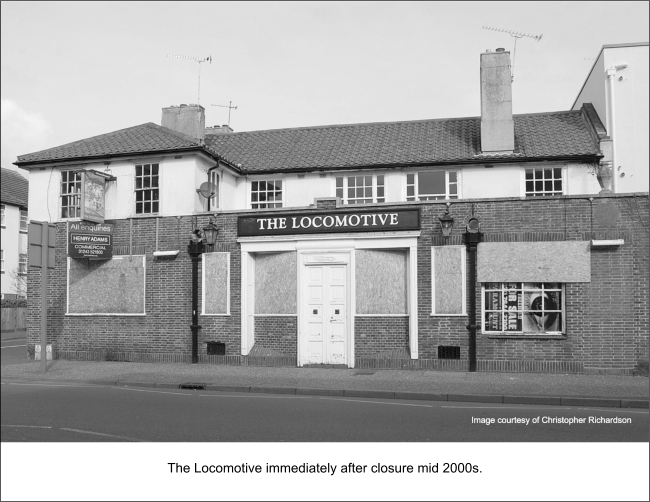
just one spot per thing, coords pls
(266, 194)
(147, 191)
(2, 215)
(362, 189)
(22, 264)
(70, 194)
(213, 177)
(544, 182)
(432, 185)
(23, 220)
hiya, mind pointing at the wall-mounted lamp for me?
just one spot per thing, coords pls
(446, 223)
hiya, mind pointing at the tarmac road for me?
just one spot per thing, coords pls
(68, 412)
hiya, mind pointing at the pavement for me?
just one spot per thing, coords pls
(516, 388)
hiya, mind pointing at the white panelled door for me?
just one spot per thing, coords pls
(326, 314)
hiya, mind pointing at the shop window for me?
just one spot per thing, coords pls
(70, 194)
(23, 220)
(2, 215)
(381, 282)
(544, 182)
(266, 194)
(147, 189)
(432, 185)
(523, 308)
(216, 283)
(276, 284)
(362, 189)
(22, 264)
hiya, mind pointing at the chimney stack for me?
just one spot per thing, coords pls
(497, 125)
(224, 129)
(187, 119)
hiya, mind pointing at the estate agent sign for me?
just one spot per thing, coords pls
(329, 222)
(90, 240)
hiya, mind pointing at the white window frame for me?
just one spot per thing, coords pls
(68, 195)
(2, 215)
(266, 179)
(522, 333)
(214, 177)
(144, 189)
(544, 192)
(22, 264)
(2, 261)
(463, 265)
(375, 188)
(24, 219)
(416, 186)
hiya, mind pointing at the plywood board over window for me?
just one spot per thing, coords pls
(381, 282)
(276, 284)
(448, 280)
(216, 283)
(106, 287)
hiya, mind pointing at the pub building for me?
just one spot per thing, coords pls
(489, 243)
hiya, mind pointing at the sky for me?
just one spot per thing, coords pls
(73, 70)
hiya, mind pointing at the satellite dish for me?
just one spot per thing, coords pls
(207, 190)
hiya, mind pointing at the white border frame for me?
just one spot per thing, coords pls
(119, 257)
(326, 244)
(464, 281)
(203, 282)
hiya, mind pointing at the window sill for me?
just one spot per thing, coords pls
(523, 336)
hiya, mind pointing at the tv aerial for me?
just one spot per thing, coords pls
(516, 35)
(198, 60)
(230, 107)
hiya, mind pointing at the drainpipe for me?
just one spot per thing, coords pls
(611, 78)
(472, 237)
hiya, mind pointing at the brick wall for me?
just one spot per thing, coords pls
(277, 333)
(376, 335)
(606, 319)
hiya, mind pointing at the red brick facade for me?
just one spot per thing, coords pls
(606, 319)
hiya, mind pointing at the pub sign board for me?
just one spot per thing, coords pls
(90, 240)
(328, 222)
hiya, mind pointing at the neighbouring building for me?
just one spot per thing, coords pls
(617, 87)
(492, 243)
(13, 207)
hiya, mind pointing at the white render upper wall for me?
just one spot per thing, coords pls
(630, 115)
(180, 178)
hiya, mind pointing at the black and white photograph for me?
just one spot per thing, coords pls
(325, 250)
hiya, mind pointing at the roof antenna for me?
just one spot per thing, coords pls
(517, 35)
(198, 60)
(230, 107)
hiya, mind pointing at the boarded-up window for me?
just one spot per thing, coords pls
(448, 280)
(216, 283)
(114, 286)
(276, 283)
(381, 277)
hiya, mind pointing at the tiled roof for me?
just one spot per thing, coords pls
(14, 188)
(537, 136)
(143, 138)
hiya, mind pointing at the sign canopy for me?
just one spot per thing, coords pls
(329, 222)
